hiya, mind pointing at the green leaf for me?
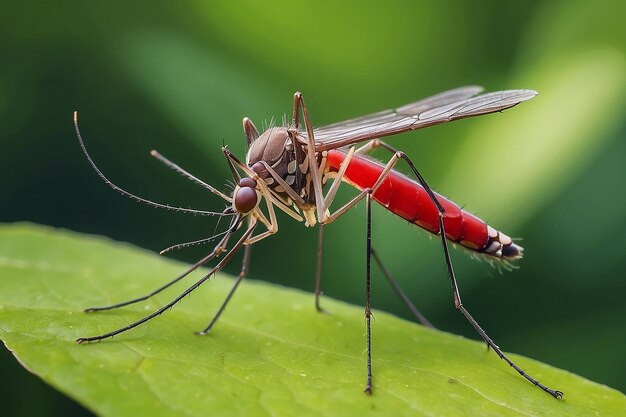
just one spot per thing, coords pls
(270, 354)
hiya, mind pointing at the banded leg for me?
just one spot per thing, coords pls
(457, 297)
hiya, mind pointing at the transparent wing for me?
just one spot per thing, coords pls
(441, 108)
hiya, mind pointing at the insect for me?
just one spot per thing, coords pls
(298, 169)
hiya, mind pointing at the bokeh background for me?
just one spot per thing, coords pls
(180, 76)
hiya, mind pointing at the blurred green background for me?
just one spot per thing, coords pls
(180, 76)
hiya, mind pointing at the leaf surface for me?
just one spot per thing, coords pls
(270, 354)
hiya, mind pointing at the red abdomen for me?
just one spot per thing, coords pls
(409, 200)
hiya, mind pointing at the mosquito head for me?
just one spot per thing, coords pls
(246, 197)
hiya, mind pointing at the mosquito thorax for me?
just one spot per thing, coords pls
(275, 159)
(245, 197)
(270, 146)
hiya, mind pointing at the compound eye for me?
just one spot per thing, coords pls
(247, 182)
(246, 198)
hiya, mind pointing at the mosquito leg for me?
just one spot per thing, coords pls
(474, 323)
(455, 290)
(368, 147)
(169, 305)
(245, 264)
(244, 272)
(311, 152)
(368, 298)
(401, 294)
(355, 200)
(219, 249)
(158, 290)
(332, 191)
(318, 274)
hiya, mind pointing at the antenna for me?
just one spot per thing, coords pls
(131, 195)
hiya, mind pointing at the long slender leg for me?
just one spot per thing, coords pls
(244, 272)
(455, 290)
(332, 191)
(318, 274)
(405, 299)
(368, 298)
(459, 305)
(330, 196)
(342, 210)
(218, 250)
(311, 153)
(195, 266)
(169, 305)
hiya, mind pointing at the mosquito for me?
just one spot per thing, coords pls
(298, 169)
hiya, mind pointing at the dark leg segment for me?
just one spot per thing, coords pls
(169, 305)
(455, 290)
(217, 251)
(245, 267)
(405, 299)
(195, 266)
(481, 332)
(368, 298)
(318, 274)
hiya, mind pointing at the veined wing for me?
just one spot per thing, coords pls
(440, 108)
